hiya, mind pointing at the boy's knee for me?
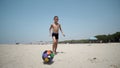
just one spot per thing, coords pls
(55, 42)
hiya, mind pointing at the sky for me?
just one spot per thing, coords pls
(27, 21)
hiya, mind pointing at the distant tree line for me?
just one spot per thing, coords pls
(109, 38)
(75, 41)
(100, 39)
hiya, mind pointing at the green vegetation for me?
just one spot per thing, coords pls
(100, 39)
(109, 38)
(75, 41)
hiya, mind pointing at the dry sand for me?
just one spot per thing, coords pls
(69, 56)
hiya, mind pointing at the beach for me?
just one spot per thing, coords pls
(91, 55)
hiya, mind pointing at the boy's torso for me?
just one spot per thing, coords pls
(56, 27)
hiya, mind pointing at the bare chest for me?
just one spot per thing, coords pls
(56, 26)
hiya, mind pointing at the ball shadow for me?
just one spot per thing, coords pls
(49, 63)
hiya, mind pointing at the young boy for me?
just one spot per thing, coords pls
(55, 33)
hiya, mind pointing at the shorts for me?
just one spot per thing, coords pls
(55, 35)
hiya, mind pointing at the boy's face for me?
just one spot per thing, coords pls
(56, 19)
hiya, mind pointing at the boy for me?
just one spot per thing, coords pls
(55, 33)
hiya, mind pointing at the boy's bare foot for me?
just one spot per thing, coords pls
(54, 52)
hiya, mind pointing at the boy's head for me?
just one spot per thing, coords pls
(56, 19)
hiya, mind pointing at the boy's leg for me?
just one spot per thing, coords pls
(53, 47)
(54, 44)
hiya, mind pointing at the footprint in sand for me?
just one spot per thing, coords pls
(93, 60)
(113, 66)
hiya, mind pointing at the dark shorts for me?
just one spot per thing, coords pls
(55, 35)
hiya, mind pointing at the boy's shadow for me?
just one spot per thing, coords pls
(49, 63)
(59, 53)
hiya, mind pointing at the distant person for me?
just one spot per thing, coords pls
(54, 32)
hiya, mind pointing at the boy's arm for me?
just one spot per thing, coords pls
(61, 31)
(50, 30)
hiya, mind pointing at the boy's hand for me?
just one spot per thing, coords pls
(63, 34)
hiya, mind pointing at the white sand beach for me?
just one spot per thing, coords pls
(105, 55)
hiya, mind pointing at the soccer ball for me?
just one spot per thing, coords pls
(47, 56)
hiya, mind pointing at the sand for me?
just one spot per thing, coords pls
(106, 55)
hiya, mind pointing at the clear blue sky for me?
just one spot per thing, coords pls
(29, 20)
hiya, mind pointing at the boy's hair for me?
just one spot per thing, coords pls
(55, 17)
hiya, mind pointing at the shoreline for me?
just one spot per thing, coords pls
(60, 43)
